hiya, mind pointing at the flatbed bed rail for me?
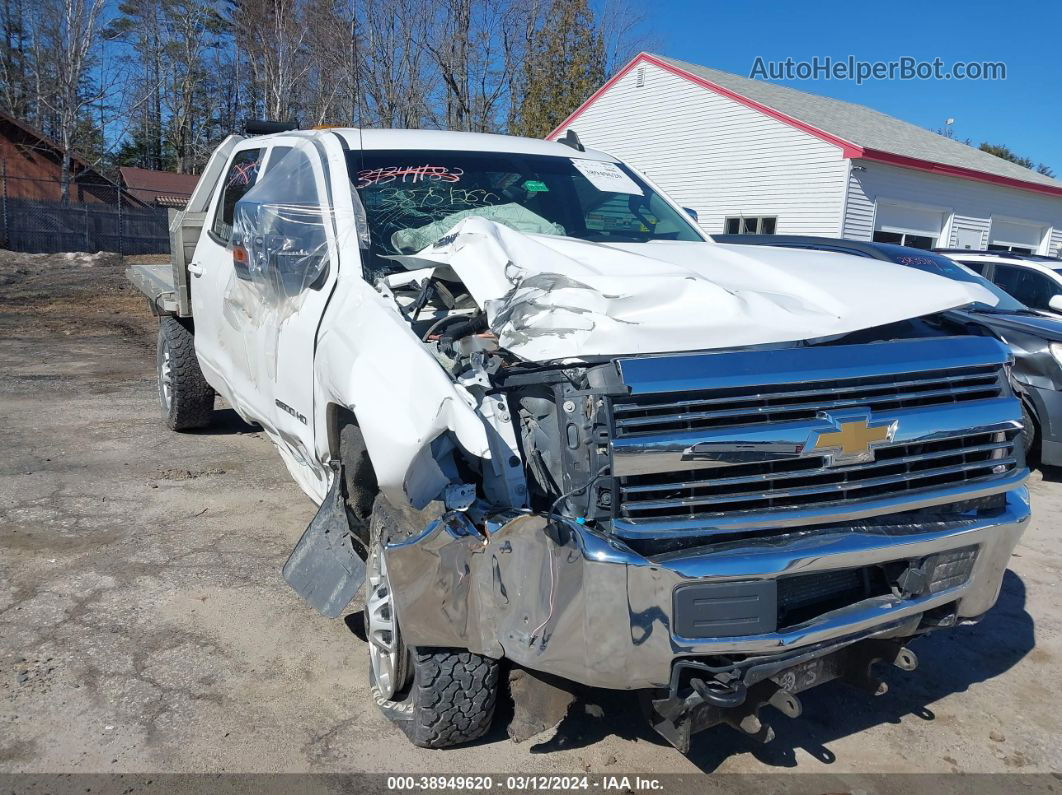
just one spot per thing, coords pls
(156, 283)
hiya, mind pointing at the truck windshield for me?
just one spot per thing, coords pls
(412, 198)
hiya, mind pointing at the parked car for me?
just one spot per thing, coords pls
(1033, 279)
(549, 422)
(1035, 340)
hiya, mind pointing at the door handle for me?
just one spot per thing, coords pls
(195, 269)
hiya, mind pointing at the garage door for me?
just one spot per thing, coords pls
(908, 226)
(1015, 236)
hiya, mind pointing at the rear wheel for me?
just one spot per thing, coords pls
(438, 697)
(186, 398)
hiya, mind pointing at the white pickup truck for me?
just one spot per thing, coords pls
(552, 426)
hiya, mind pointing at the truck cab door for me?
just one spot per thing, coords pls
(220, 324)
(286, 226)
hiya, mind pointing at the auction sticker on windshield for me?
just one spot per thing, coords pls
(606, 176)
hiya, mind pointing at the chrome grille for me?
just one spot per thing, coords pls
(718, 444)
(765, 486)
(782, 403)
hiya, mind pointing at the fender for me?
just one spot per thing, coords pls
(369, 361)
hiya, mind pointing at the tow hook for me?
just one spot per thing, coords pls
(861, 673)
(906, 660)
(786, 703)
(716, 702)
(747, 720)
(719, 694)
(737, 702)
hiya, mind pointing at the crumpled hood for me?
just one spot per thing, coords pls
(551, 298)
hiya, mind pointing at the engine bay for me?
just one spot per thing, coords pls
(552, 421)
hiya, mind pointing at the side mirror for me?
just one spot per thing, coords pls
(1055, 303)
(294, 263)
(691, 213)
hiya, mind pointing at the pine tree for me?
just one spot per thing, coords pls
(999, 150)
(565, 64)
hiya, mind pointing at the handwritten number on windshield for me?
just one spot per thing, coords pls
(407, 174)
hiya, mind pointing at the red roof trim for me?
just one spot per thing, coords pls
(878, 156)
(593, 97)
(848, 149)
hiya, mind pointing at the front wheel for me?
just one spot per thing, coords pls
(187, 399)
(438, 697)
(1030, 435)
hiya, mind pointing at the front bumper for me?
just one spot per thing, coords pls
(562, 598)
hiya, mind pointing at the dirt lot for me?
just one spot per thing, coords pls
(144, 624)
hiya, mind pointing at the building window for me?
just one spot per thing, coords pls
(907, 224)
(640, 79)
(1010, 248)
(905, 239)
(750, 225)
(1015, 236)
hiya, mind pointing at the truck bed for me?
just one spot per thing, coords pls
(156, 283)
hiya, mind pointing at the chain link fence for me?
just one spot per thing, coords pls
(98, 217)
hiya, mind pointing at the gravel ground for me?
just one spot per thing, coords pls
(145, 627)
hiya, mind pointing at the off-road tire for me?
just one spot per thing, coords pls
(190, 403)
(451, 696)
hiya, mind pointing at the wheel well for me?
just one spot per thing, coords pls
(359, 476)
(1030, 408)
(336, 417)
(185, 322)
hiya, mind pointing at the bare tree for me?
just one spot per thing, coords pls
(66, 41)
(489, 65)
(473, 50)
(192, 28)
(272, 33)
(625, 31)
(14, 61)
(190, 74)
(394, 67)
(328, 85)
(449, 41)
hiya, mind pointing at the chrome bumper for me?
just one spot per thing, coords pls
(565, 599)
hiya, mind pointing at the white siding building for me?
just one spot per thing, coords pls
(750, 156)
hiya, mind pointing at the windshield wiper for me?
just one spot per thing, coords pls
(985, 309)
(995, 310)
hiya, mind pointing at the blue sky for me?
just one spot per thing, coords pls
(1023, 112)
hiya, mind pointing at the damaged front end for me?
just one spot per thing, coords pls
(559, 597)
(720, 530)
(707, 548)
(698, 527)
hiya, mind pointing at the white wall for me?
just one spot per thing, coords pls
(717, 156)
(968, 205)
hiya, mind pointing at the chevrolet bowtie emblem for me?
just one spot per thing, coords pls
(854, 439)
